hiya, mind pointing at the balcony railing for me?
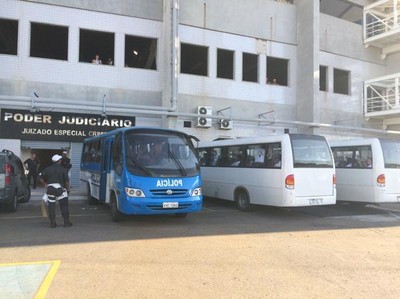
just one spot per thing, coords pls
(382, 96)
(381, 22)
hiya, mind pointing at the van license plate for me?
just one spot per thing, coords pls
(170, 205)
(316, 201)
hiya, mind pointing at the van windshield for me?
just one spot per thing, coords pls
(391, 153)
(311, 151)
(160, 154)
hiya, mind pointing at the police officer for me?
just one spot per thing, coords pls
(32, 164)
(56, 180)
(65, 161)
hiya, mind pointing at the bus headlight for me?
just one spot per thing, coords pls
(131, 192)
(196, 192)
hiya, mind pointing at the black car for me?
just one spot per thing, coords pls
(14, 186)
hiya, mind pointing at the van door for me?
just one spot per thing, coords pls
(105, 169)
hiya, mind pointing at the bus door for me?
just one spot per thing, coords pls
(105, 168)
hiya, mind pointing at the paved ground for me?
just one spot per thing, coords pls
(338, 251)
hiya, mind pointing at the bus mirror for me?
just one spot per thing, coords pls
(194, 138)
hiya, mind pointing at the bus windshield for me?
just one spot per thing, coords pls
(391, 153)
(160, 154)
(310, 151)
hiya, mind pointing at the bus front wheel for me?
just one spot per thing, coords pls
(242, 200)
(116, 215)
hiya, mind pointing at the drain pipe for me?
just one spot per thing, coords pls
(49, 103)
(42, 104)
(174, 55)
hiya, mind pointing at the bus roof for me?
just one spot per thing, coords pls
(127, 129)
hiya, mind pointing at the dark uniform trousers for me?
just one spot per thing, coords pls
(64, 210)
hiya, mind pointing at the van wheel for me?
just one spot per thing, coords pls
(242, 200)
(27, 195)
(12, 206)
(91, 200)
(116, 215)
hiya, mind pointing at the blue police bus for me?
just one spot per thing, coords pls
(141, 171)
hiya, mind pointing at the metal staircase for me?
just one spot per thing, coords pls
(382, 96)
(381, 28)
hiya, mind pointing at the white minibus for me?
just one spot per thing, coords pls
(287, 170)
(367, 170)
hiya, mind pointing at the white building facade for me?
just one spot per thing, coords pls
(254, 67)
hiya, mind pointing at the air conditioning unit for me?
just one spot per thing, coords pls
(203, 120)
(226, 124)
(204, 110)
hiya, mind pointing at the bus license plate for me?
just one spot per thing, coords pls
(316, 201)
(170, 205)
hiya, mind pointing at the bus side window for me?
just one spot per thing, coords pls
(117, 154)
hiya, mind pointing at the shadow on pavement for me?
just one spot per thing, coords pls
(92, 223)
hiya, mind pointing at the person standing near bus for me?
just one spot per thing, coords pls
(55, 179)
(65, 161)
(32, 164)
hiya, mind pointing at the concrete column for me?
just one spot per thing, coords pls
(168, 65)
(262, 69)
(308, 108)
(24, 38)
(73, 44)
(238, 69)
(119, 50)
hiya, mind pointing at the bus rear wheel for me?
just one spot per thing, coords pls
(116, 215)
(242, 200)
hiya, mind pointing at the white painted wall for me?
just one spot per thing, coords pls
(237, 89)
(13, 145)
(72, 72)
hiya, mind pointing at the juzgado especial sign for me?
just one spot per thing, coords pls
(57, 126)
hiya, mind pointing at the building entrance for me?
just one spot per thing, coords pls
(44, 157)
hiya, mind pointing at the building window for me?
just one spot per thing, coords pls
(341, 80)
(224, 64)
(140, 52)
(49, 41)
(323, 78)
(8, 36)
(277, 71)
(250, 67)
(96, 43)
(194, 59)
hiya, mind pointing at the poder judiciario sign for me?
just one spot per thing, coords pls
(57, 126)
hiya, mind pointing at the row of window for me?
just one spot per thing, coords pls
(51, 41)
(267, 155)
(92, 154)
(353, 156)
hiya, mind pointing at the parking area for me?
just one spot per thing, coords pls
(333, 251)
